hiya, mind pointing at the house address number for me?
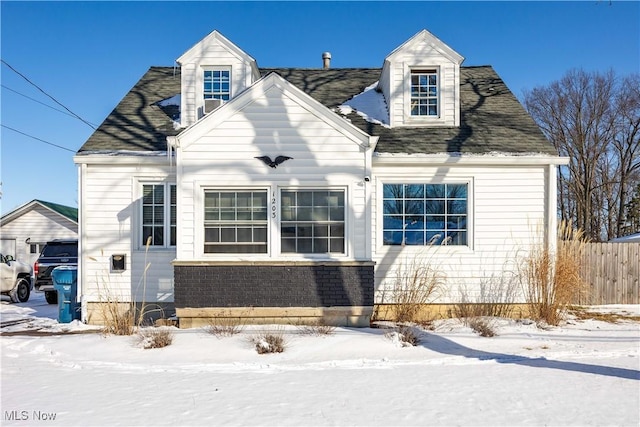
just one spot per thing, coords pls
(273, 205)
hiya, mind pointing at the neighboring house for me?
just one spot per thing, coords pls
(631, 238)
(26, 229)
(184, 182)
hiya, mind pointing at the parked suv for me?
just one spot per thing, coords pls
(15, 278)
(55, 253)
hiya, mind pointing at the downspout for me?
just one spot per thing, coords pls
(552, 209)
(368, 179)
(80, 296)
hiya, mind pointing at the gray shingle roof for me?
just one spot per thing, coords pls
(492, 119)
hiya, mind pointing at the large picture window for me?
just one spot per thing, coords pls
(425, 214)
(235, 221)
(159, 215)
(424, 93)
(312, 221)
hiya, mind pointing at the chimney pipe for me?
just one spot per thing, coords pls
(326, 60)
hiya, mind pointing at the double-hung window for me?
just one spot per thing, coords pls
(217, 84)
(235, 221)
(312, 221)
(424, 93)
(158, 215)
(425, 214)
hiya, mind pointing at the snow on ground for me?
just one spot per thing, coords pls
(582, 373)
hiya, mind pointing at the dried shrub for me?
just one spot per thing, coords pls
(118, 317)
(122, 316)
(415, 284)
(496, 298)
(552, 280)
(269, 342)
(317, 328)
(404, 336)
(155, 337)
(482, 326)
(224, 326)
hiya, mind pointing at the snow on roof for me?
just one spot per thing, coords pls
(370, 105)
(174, 100)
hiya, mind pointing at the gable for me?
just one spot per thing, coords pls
(272, 106)
(213, 54)
(63, 213)
(412, 102)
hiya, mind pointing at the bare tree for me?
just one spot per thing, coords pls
(594, 119)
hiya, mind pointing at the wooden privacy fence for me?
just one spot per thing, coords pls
(612, 272)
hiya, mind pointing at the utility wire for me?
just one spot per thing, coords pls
(38, 139)
(39, 102)
(41, 90)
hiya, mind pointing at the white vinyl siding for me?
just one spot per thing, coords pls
(419, 54)
(506, 208)
(273, 124)
(112, 224)
(209, 56)
(35, 227)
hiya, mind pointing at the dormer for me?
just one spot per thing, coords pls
(420, 81)
(213, 72)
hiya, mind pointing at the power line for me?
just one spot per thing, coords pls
(42, 90)
(39, 102)
(38, 139)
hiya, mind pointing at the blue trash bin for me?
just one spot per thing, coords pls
(65, 282)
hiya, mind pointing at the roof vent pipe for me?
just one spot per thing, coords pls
(326, 60)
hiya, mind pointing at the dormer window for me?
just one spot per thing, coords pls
(424, 93)
(217, 84)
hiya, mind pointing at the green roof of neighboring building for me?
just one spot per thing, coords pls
(66, 211)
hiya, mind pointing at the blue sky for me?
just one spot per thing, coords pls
(87, 55)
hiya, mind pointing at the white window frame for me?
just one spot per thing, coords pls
(216, 68)
(273, 221)
(167, 212)
(430, 180)
(412, 120)
(425, 72)
(237, 223)
(345, 222)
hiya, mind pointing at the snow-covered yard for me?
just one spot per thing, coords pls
(582, 373)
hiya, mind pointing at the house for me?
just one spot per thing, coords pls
(226, 189)
(26, 229)
(631, 238)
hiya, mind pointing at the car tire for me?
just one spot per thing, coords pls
(51, 297)
(21, 292)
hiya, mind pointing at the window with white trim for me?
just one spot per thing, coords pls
(312, 221)
(424, 93)
(158, 215)
(425, 214)
(235, 221)
(217, 84)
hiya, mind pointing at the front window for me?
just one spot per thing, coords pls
(217, 84)
(425, 214)
(424, 93)
(158, 215)
(235, 221)
(312, 221)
